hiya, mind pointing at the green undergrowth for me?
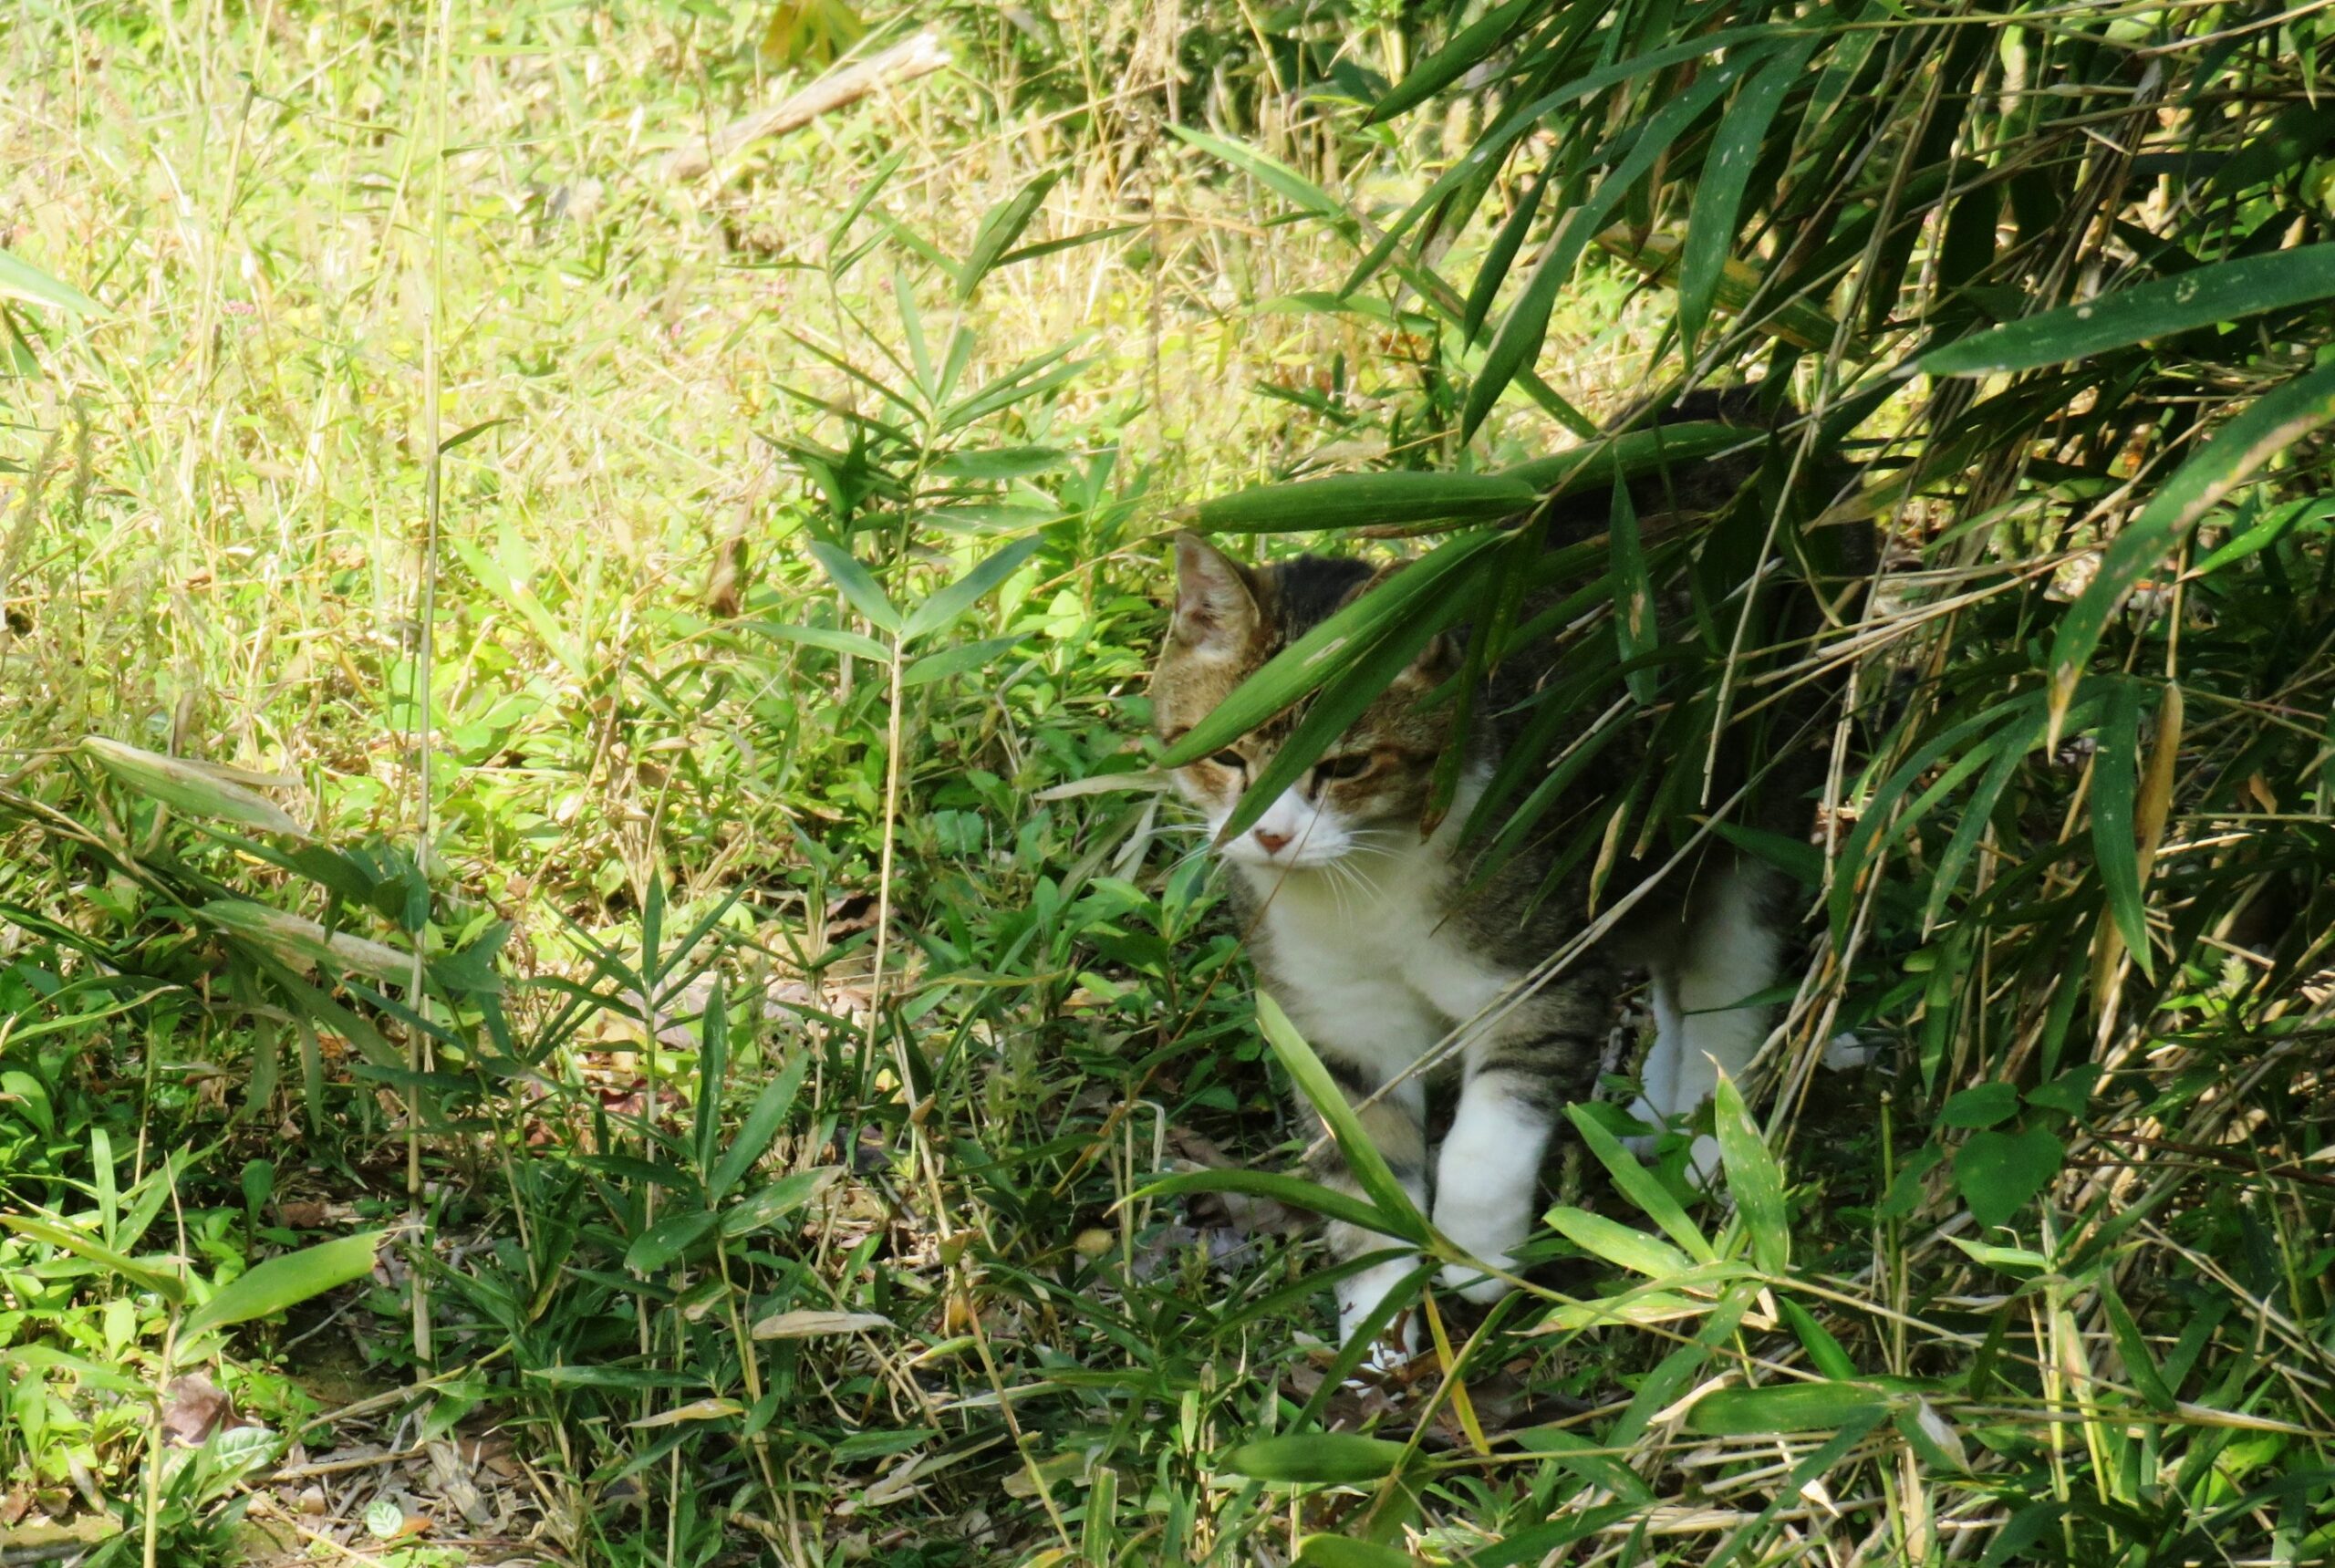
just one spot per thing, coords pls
(791, 1051)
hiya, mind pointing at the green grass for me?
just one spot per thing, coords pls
(862, 1264)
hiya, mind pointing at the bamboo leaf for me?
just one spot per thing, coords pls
(1634, 627)
(2219, 292)
(857, 585)
(1355, 500)
(1787, 1407)
(1619, 1244)
(1754, 1179)
(1640, 1187)
(1719, 190)
(1368, 1167)
(1327, 1458)
(199, 789)
(1001, 226)
(944, 606)
(19, 279)
(288, 1281)
(1293, 1191)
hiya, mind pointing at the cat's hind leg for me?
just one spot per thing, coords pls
(1733, 951)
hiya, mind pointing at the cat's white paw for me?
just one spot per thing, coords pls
(1359, 1295)
(1704, 1167)
(1643, 1145)
(1474, 1284)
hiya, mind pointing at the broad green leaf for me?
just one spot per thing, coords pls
(286, 1281)
(1787, 1407)
(982, 579)
(857, 585)
(201, 789)
(1330, 1459)
(1754, 1179)
(761, 1126)
(1997, 1172)
(1618, 1244)
(1984, 1106)
(614, 1377)
(2218, 292)
(1001, 226)
(1000, 464)
(667, 1240)
(765, 1208)
(2115, 776)
(2268, 426)
(1822, 1349)
(1368, 1166)
(19, 279)
(1355, 500)
(164, 1282)
(1718, 188)
(1638, 1184)
(1293, 1191)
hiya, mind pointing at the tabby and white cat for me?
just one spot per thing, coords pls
(1361, 931)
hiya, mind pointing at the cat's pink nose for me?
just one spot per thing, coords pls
(1274, 843)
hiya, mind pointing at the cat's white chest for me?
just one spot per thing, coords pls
(1375, 970)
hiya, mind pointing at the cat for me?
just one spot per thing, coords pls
(1364, 928)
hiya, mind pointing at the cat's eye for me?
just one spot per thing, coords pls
(1354, 764)
(1232, 759)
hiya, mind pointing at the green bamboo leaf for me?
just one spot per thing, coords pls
(2115, 776)
(1619, 1244)
(1787, 1407)
(1470, 45)
(857, 585)
(1352, 500)
(1277, 177)
(944, 606)
(1327, 1458)
(2221, 292)
(1518, 341)
(1501, 259)
(1718, 190)
(1587, 1459)
(761, 1126)
(1633, 454)
(767, 1206)
(1638, 1184)
(1001, 226)
(303, 945)
(667, 1240)
(829, 637)
(2139, 1362)
(2270, 424)
(164, 1282)
(1754, 1179)
(286, 1282)
(1633, 624)
(1368, 1167)
(1822, 1349)
(199, 789)
(1331, 648)
(19, 279)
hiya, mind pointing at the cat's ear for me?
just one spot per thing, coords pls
(1216, 599)
(1437, 662)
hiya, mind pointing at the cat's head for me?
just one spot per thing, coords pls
(1372, 783)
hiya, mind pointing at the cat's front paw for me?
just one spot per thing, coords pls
(1359, 1296)
(1474, 1284)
